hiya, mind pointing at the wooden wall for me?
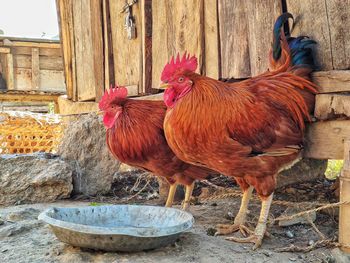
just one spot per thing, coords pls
(32, 65)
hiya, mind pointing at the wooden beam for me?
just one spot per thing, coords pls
(65, 21)
(325, 139)
(97, 44)
(8, 70)
(5, 50)
(32, 44)
(66, 106)
(344, 212)
(35, 69)
(146, 13)
(28, 97)
(331, 106)
(211, 39)
(332, 81)
(234, 46)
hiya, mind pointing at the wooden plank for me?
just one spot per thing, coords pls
(27, 97)
(5, 50)
(125, 51)
(8, 70)
(332, 81)
(261, 17)
(311, 20)
(331, 106)
(174, 32)
(66, 106)
(52, 80)
(84, 50)
(235, 60)
(25, 61)
(32, 44)
(339, 19)
(97, 45)
(35, 69)
(23, 79)
(65, 20)
(211, 36)
(325, 140)
(106, 44)
(146, 13)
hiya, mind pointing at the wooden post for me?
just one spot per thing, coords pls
(35, 69)
(344, 213)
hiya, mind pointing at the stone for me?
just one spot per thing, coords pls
(303, 171)
(296, 220)
(84, 146)
(25, 214)
(33, 178)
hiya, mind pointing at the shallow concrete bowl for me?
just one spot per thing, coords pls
(125, 228)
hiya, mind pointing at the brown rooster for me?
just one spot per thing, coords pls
(136, 137)
(250, 130)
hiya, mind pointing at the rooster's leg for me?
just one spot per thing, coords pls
(260, 229)
(171, 194)
(188, 195)
(240, 219)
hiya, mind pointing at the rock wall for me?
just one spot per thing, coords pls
(84, 146)
(34, 178)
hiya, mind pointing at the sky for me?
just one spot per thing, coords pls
(29, 18)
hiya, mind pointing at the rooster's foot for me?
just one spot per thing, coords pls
(223, 229)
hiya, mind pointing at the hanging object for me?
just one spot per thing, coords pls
(129, 24)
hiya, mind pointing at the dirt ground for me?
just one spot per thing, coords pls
(24, 239)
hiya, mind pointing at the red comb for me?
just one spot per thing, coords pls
(109, 96)
(185, 63)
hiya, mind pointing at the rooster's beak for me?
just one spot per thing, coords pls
(164, 85)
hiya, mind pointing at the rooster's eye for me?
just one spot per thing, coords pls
(181, 79)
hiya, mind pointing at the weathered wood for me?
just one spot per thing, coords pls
(261, 17)
(174, 32)
(332, 81)
(211, 39)
(24, 61)
(5, 50)
(311, 20)
(331, 106)
(35, 69)
(97, 44)
(106, 46)
(65, 18)
(83, 50)
(127, 53)
(344, 211)
(325, 140)
(32, 44)
(338, 14)
(66, 106)
(233, 21)
(146, 12)
(52, 80)
(8, 71)
(49, 52)
(27, 97)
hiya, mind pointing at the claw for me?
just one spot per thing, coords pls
(223, 229)
(254, 238)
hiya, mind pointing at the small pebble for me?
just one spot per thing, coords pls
(289, 234)
(311, 242)
(267, 253)
(293, 259)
